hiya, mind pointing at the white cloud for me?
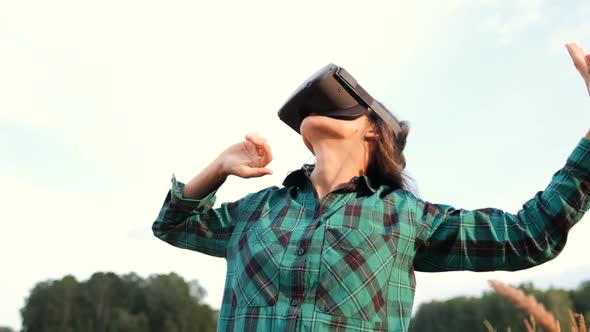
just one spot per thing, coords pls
(573, 27)
(511, 18)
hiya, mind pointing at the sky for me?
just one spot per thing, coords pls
(100, 103)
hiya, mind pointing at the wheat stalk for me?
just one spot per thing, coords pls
(529, 327)
(527, 304)
(573, 322)
(489, 326)
(578, 323)
(582, 323)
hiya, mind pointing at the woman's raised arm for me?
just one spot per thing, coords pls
(490, 239)
(187, 219)
(245, 159)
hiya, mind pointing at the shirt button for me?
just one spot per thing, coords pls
(301, 251)
(294, 302)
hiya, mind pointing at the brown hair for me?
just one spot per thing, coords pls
(387, 161)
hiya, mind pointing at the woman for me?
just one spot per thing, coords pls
(336, 247)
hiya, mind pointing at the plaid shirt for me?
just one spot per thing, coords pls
(346, 262)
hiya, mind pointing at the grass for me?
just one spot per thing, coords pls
(539, 316)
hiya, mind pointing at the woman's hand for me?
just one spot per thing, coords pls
(246, 159)
(581, 62)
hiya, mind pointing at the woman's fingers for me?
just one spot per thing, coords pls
(262, 147)
(257, 141)
(584, 64)
(253, 172)
(581, 62)
(255, 138)
(576, 55)
(267, 153)
(579, 58)
(574, 51)
(260, 171)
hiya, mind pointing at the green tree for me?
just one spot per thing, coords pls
(123, 321)
(52, 306)
(105, 293)
(500, 313)
(581, 299)
(559, 303)
(171, 306)
(458, 314)
(107, 302)
(468, 314)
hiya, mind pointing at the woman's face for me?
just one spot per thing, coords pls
(315, 128)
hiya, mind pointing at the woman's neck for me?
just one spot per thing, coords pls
(335, 165)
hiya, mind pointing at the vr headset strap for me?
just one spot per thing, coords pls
(364, 98)
(384, 114)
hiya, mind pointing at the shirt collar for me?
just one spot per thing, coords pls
(360, 184)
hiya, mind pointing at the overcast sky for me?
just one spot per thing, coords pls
(101, 102)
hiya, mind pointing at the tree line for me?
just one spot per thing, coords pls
(107, 302)
(469, 313)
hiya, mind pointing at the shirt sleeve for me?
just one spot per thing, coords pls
(193, 224)
(491, 239)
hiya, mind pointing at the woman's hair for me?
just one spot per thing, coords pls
(387, 162)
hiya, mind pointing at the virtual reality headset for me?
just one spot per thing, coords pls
(332, 92)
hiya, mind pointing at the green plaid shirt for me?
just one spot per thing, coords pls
(347, 262)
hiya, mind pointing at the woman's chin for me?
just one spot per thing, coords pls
(315, 126)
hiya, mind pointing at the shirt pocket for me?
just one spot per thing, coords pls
(256, 266)
(355, 267)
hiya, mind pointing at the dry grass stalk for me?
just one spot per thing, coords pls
(489, 326)
(573, 322)
(527, 304)
(582, 323)
(578, 322)
(530, 326)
